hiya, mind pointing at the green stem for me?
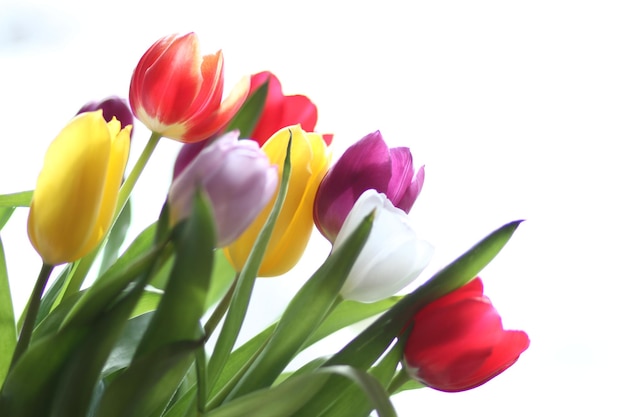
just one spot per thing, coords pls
(31, 313)
(220, 310)
(201, 387)
(84, 264)
(401, 378)
(132, 178)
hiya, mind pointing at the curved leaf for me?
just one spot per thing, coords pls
(8, 331)
(21, 199)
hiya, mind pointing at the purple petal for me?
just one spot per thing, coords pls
(410, 194)
(401, 173)
(364, 165)
(187, 154)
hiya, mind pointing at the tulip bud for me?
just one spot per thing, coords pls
(309, 162)
(457, 341)
(177, 93)
(111, 107)
(367, 164)
(77, 189)
(392, 257)
(237, 177)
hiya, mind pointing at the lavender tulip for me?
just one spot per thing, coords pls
(238, 179)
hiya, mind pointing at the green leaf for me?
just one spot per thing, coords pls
(148, 302)
(247, 117)
(116, 238)
(8, 331)
(409, 385)
(305, 312)
(352, 401)
(146, 387)
(348, 313)
(363, 350)
(345, 314)
(286, 399)
(126, 345)
(5, 215)
(240, 360)
(370, 344)
(140, 256)
(52, 296)
(30, 387)
(245, 283)
(174, 328)
(222, 278)
(80, 375)
(184, 406)
(51, 323)
(67, 362)
(21, 199)
(182, 303)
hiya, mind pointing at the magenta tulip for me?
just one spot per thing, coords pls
(238, 179)
(457, 342)
(368, 164)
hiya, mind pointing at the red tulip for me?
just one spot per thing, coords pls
(367, 164)
(177, 93)
(281, 111)
(457, 342)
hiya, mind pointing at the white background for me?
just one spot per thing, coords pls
(517, 109)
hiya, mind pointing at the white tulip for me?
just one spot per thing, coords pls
(391, 258)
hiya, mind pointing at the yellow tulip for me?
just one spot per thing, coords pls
(310, 159)
(76, 193)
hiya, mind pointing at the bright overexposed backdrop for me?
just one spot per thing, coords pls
(517, 109)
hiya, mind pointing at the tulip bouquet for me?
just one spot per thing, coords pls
(156, 331)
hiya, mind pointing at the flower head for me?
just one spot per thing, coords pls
(457, 341)
(111, 107)
(177, 93)
(238, 179)
(392, 257)
(280, 111)
(76, 193)
(309, 162)
(367, 164)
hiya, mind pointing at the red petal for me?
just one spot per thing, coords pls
(172, 82)
(273, 108)
(210, 95)
(299, 109)
(202, 126)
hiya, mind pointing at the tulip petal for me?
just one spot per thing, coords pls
(272, 114)
(298, 227)
(201, 126)
(391, 258)
(237, 178)
(299, 109)
(457, 342)
(309, 161)
(120, 146)
(404, 186)
(412, 192)
(66, 201)
(365, 165)
(172, 81)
